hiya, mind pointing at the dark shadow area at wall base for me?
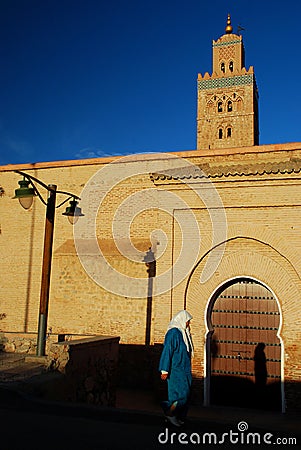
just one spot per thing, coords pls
(39, 398)
(138, 365)
(137, 374)
(138, 369)
(293, 396)
(243, 393)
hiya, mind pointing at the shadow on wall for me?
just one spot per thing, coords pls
(138, 369)
(242, 392)
(138, 365)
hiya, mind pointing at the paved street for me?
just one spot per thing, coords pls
(32, 430)
(28, 424)
(63, 427)
(35, 430)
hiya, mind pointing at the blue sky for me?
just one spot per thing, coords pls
(91, 78)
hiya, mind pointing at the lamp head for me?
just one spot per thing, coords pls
(73, 212)
(25, 194)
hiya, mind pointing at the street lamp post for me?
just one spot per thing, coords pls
(25, 194)
(46, 269)
(150, 262)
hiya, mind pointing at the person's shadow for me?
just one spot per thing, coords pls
(261, 373)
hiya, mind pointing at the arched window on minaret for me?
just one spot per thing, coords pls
(210, 106)
(231, 66)
(223, 67)
(239, 104)
(229, 132)
(229, 107)
(220, 133)
(220, 107)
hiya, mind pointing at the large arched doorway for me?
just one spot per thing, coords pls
(243, 346)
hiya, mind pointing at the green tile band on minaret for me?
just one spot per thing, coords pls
(240, 80)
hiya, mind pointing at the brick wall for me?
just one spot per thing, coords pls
(259, 189)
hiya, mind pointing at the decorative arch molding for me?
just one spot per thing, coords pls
(260, 247)
(249, 258)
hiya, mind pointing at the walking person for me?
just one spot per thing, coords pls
(175, 367)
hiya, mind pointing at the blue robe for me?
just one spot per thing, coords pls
(175, 360)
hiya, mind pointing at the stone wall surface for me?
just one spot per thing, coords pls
(89, 367)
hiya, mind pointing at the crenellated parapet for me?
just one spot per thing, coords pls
(214, 75)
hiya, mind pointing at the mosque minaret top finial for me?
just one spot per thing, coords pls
(229, 27)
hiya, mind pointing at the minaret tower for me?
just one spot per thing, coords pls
(227, 109)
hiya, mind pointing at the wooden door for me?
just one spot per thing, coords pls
(245, 350)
